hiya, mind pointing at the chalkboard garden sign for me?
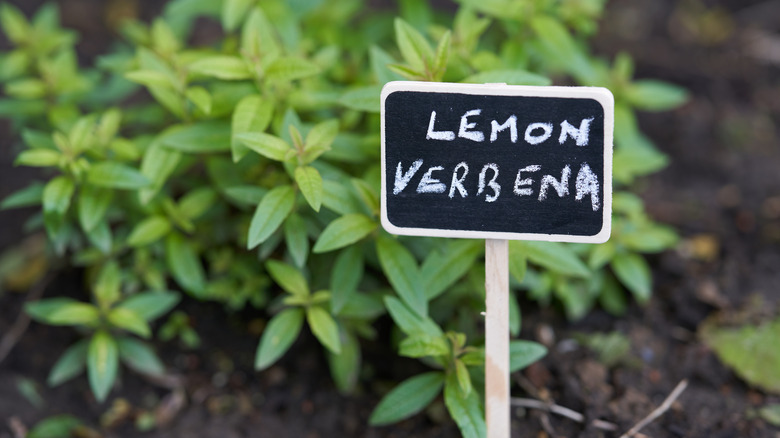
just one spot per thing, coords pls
(497, 162)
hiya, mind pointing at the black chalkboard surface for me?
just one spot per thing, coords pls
(497, 161)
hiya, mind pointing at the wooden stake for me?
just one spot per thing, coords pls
(497, 338)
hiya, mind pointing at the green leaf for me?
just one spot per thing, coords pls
(559, 47)
(771, 414)
(57, 195)
(14, 23)
(157, 165)
(413, 45)
(200, 97)
(310, 183)
(203, 137)
(196, 202)
(72, 363)
(379, 62)
(289, 278)
(139, 356)
(41, 310)
(441, 269)
(518, 261)
(524, 353)
(258, 37)
(252, 114)
(401, 269)
(38, 158)
(74, 313)
(345, 366)
(297, 239)
(148, 231)
(652, 238)
(117, 176)
(93, 204)
(229, 68)
(278, 336)
(442, 55)
(37, 139)
(290, 68)
(421, 345)
(185, 264)
(26, 197)
(509, 77)
(234, 12)
(366, 98)
(26, 88)
(324, 328)
(345, 276)
(554, 256)
(749, 350)
(102, 364)
(164, 40)
(653, 95)
(408, 398)
(464, 408)
(151, 305)
(57, 426)
(100, 237)
(267, 145)
(464, 379)
(270, 213)
(322, 135)
(602, 254)
(126, 319)
(151, 78)
(408, 321)
(632, 270)
(107, 287)
(344, 231)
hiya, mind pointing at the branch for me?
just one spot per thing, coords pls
(562, 411)
(678, 390)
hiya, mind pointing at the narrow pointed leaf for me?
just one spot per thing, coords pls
(151, 305)
(116, 175)
(401, 269)
(185, 264)
(270, 213)
(93, 204)
(126, 319)
(278, 336)
(149, 230)
(309, 181)
(102, 364)
(408, 398)
(72, 363)
(139, 356)
(289, 278)
(344, 231)
(464, 408)
(345, 276)
(267, 145)
(252, 114)
(324, 328)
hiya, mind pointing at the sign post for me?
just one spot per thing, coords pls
(499, 163)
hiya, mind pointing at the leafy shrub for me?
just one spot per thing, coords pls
(247, 172)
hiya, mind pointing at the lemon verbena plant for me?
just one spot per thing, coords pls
(246, 171)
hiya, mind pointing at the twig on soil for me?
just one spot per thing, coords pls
(675, 394)
(548, 407)
(18, 428)
(23, 320)
(562, 411)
